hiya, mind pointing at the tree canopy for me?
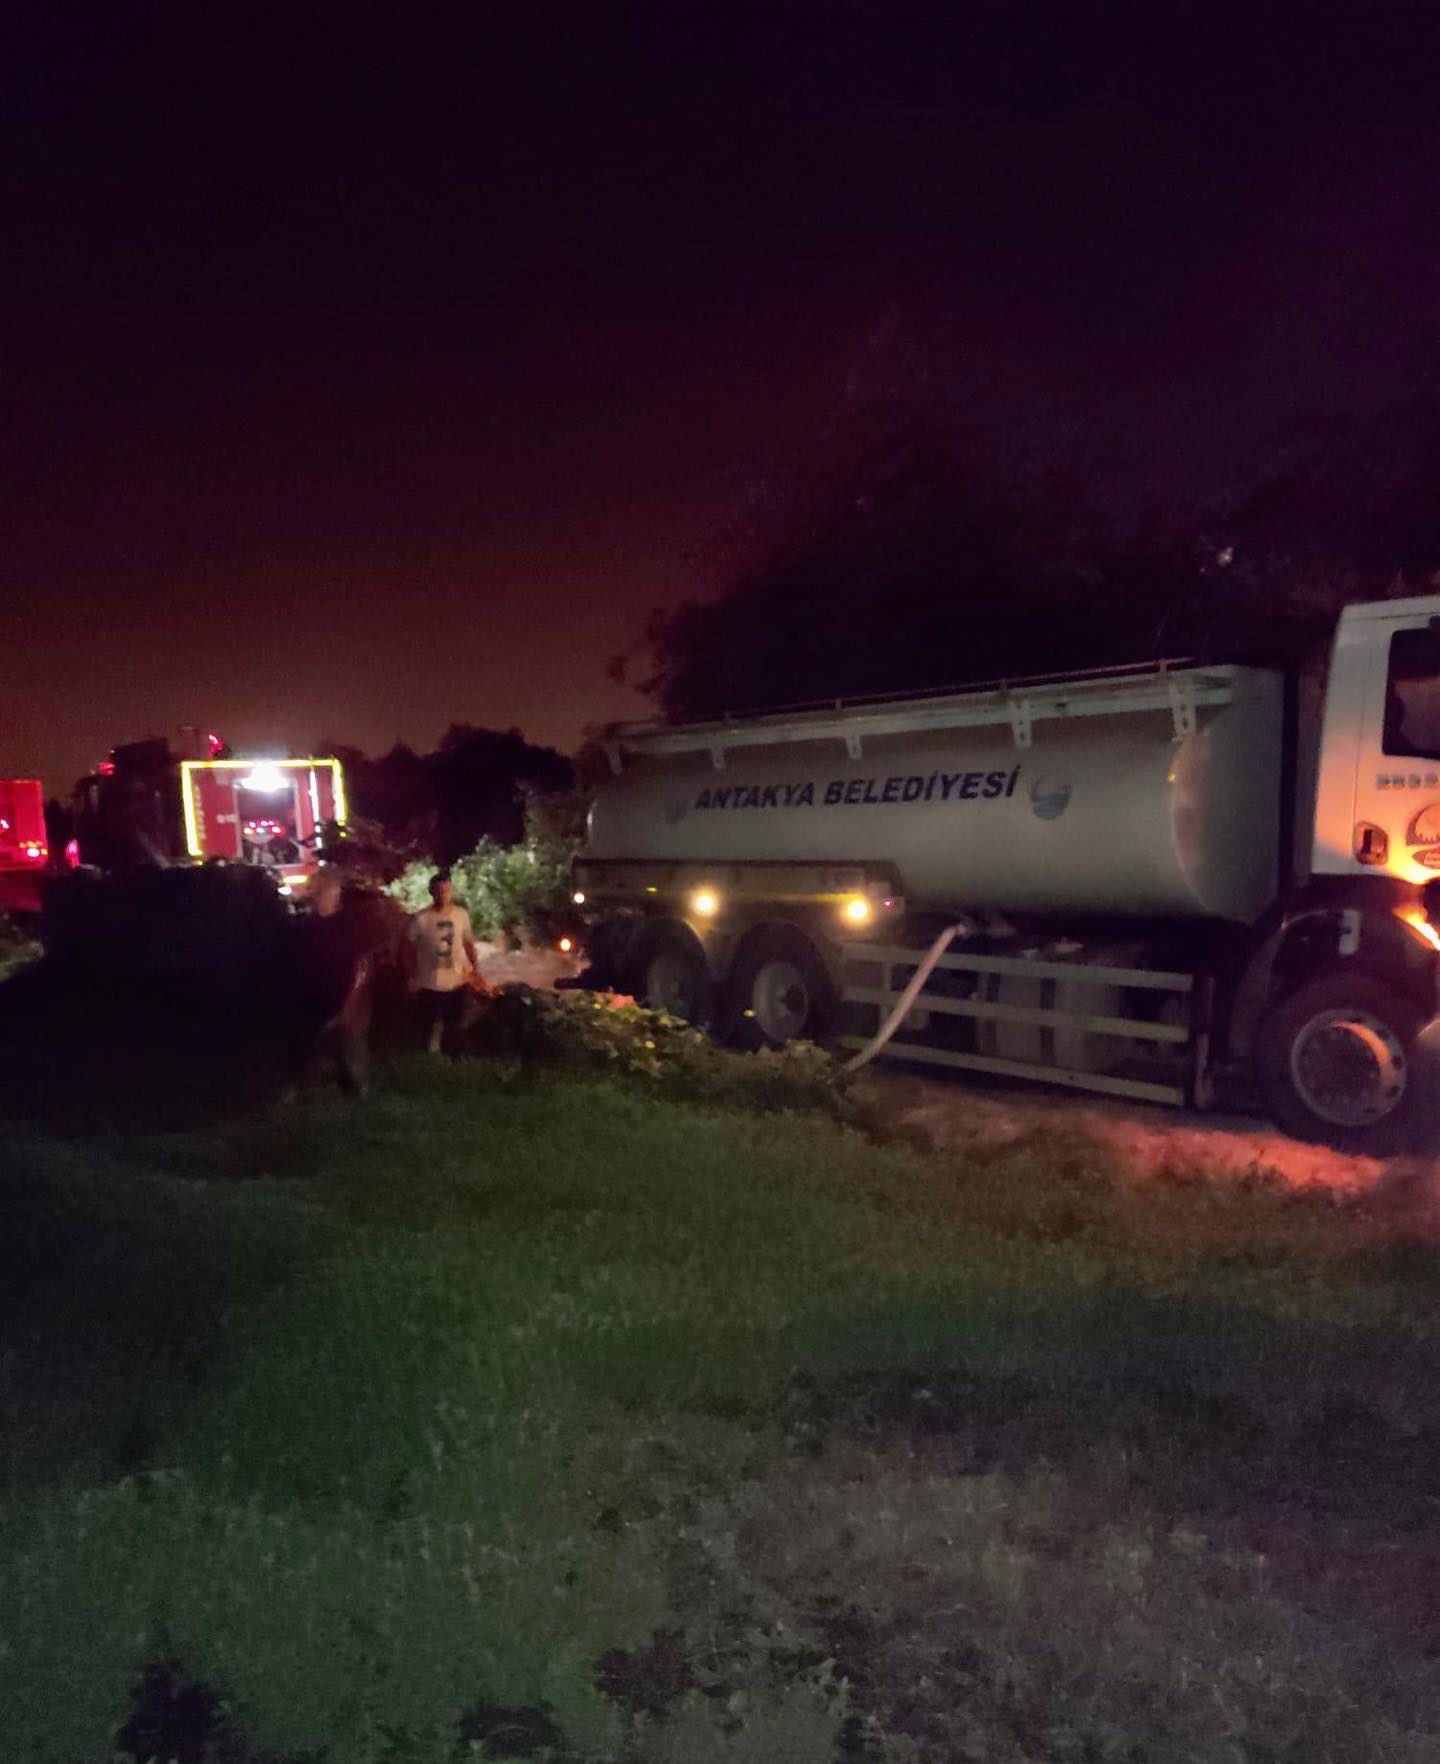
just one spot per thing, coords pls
(919, 549)
(440, 805)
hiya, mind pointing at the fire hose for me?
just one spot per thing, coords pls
(907, 998)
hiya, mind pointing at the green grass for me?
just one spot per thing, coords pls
(382, 1419)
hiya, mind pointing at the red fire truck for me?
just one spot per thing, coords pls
(148, 803)
(271, 812)
(24, 851)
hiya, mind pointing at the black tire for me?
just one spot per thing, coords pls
(1336, 1066)
(779, 991)
(668, 972)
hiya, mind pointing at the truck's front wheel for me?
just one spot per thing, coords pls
(779, 991)
(1335, 1063)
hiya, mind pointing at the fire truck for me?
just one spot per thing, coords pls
(24, 849)
(149, 802)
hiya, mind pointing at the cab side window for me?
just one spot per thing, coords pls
(1412, 696)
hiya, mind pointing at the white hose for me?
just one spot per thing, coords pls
(909, 995)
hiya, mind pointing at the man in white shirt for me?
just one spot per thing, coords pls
(444, 959)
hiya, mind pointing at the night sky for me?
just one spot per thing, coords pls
(359, 381)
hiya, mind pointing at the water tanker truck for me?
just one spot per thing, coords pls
(1138, 881)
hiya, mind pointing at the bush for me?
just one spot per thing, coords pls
(366, 854)
(219, 926)
(17, 947)
(607, 1032)
(515, 890)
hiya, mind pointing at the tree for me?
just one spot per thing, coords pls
(922, 549)
(902, 568)
(394, 793)
(480, 778)
(519, 890)
(436, 806)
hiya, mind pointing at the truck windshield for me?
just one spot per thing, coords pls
(1412, 696)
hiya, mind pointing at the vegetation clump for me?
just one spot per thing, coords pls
(610, 1034)
(18, 947)
(511, 891)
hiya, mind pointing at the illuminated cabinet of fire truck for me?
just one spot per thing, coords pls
(267, 812)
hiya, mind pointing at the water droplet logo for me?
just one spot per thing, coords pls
(1050, 797)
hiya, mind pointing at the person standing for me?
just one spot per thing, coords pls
(444, 955)
(330, 971)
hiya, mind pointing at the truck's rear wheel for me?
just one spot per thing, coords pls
(779, 991)
(1335, 1063)
(670, 975)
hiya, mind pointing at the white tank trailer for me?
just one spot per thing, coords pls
(1154, 878)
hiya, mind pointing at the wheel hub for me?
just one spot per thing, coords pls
(780, 1000)
(1349, 1068)
(670, 986)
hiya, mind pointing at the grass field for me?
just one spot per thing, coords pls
(502, 1418)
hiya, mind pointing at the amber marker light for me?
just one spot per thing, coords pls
(1415, 918)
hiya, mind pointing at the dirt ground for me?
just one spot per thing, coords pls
(1401, 1196)
(958, 1112)
(539, 968)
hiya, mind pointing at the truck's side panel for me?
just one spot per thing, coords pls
(22, 824)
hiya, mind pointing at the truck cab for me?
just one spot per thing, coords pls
(1377, 803)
